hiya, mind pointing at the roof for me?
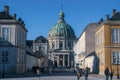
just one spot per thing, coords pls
(116, 16)
(41, 39)
(6, 18)
(4, 15)
(61, 28)
(89, 25)
(60, 51)
(90, 54)
(115, 19)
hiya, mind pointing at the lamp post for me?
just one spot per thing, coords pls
(3, 61)
(118, 68)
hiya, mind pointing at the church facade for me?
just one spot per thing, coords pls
(61, 39)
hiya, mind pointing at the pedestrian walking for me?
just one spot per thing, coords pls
(50, 71)
(77, 70)
(106, 72)
(79, 74)
(111, 75)
(38, 71)
(86, 73)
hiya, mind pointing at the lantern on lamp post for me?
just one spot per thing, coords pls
(118, 67)
(4, 54)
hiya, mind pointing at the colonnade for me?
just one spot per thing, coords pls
(61, 60)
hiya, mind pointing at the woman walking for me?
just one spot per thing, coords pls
(86, 73)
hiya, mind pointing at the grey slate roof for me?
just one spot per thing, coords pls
(116, 16)
(3, 15)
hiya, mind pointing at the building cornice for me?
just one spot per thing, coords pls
(109, 22)
(11, 22)
(112, 46)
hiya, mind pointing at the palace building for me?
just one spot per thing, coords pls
(13, 34)
(61, 39)
(107, 43)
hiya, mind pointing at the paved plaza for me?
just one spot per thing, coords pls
(57, 75)
(56, 78)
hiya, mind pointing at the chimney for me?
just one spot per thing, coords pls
(14, 16)
(6, 9)
(114, 12)
(107, 17)
(101, 20)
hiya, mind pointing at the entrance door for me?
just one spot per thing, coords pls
(55, 62)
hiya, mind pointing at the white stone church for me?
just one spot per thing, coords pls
(61, 38)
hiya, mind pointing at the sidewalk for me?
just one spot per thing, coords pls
(102, 76)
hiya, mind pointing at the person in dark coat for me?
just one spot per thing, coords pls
(106, 72)
(111, 75)
(86, 73)
(79, 74)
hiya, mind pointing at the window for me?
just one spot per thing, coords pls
(53, 45)
(20, 37)
(70, 45)
(65, 45)
(61, 45)
(116, 57)
(4, 57)
(5, 34)
(115, 35)
(102, 37)
(96, 39)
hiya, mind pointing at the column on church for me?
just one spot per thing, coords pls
(63, 60)
(54, 59)
(58, 60)
(68, 59)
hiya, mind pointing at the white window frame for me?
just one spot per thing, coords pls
(6, 35)
(116, 35)
(117, 57)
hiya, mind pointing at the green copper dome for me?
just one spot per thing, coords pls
(61, 28)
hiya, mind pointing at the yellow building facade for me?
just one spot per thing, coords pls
(107, 43)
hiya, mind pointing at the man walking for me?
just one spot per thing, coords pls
(86, 73)
(79, 74)
(106, 72)
(111, 75)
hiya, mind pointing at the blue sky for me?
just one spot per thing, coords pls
(40, 15)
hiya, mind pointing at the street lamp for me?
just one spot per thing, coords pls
(3, 61)
(118, 68)
(50, 59)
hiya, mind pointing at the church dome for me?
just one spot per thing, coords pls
(61, 28)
